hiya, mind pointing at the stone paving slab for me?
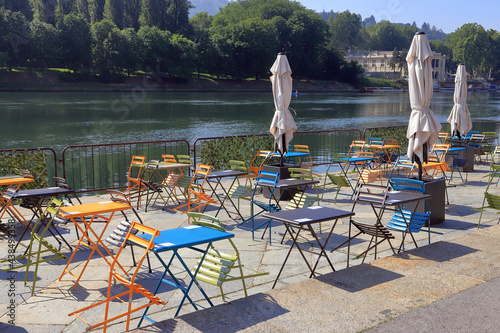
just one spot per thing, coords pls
(348, 300)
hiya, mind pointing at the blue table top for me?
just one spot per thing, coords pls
(292, 154)
(354, 159)
(191, 235)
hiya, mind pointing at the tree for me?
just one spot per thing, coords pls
(153, 14)
(204, 48)
(155, 50)
(96, 10)
(182, 58)
(345, 31)
(131, 13)
(14, 37)
(113, 11)
(75, 42)
(468, 44)
(44, 10)
(22, 6)
(299, 32)
(44, 44)
(177, 15)
(387, 36)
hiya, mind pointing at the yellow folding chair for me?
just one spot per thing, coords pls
(40, 247)
(146, 243)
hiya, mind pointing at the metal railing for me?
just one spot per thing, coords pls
(37, 167)
(92, 168)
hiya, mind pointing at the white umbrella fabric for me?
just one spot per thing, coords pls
(282, 125)
(459, 117)
(423, 127)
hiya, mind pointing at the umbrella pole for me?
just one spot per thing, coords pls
(282, 156)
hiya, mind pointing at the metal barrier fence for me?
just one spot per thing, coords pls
(92, 168)
(98, 167)
(322, 144)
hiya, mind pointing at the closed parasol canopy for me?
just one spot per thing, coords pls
(459, 117)
(282, 125)
(423, 127)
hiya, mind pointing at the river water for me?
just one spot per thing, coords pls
(57, 120)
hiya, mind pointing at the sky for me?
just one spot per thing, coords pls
(445, 15)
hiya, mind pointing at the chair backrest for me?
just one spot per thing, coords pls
(200, 176)
(238, 165)
(356, 145)
(132, 238)
(137, 164)
(439, 151)
(301, 148)
(61, 182)
(375, 141)
(25, 173)
(266, 178)
(258, 161)
(476, 139)
(184, 159)
(406, 184)
(364, 154)
(391, 141)
(300, 173)
(169, 158)
(118, 196)
(443, 136)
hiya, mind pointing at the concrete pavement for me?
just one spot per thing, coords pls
(351, 299)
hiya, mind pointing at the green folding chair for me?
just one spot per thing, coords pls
(40, 247)
(217, 266)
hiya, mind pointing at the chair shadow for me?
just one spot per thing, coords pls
(237, 315)
(358, 278)
(6, 328)
(441, 251)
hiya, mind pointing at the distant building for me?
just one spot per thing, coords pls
(378, 64)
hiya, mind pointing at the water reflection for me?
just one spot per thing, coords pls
(60, 119)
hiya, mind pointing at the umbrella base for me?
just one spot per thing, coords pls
(284, 174)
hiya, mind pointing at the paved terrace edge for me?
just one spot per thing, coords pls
(357, 298)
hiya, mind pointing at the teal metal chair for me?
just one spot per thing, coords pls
(268, 179)
(408, 220)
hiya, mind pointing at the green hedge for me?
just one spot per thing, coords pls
(398, 133)
(218, 152)
(33, 160)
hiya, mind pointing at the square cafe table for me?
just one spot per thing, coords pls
(291, 184)
(87, 213)
(172, 241)
(14, 181)
(34, 200)
(303, 219)
(216, 177)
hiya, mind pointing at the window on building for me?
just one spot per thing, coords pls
(365, 63)
(374, 63)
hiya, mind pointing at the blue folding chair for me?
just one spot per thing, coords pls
(267, 179)
(408, 220)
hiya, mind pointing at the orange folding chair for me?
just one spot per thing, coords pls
(356, 146)
(306, 162)
(257, 164)
(6, 206)
(196, 197)
(147, 243)
(135, 185)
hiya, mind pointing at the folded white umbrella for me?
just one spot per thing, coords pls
(282, 125)
(423, 126)
(459, 117)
